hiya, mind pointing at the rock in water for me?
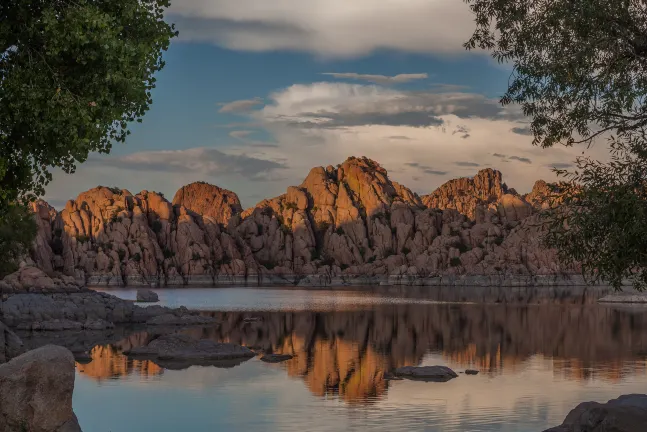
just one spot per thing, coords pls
(147, 296)
(471, 372)
(426, 373)
(628, 413)
(276, 358)
(178, 351)
(36, 392)
(10, 344)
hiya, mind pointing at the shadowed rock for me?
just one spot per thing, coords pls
(426, 373)
(178, 351)
(147, 296)
(36, 392)
(181, 320)
(10, 344)
(628, 413)
(276, 358)
(471, 372)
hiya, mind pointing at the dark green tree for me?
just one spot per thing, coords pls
(579, 72)
(73, 75)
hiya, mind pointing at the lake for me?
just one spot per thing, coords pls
(539, 353)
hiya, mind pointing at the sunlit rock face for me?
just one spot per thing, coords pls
(344, 224)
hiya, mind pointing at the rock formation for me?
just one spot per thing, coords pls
(36, 392)
(341, 225)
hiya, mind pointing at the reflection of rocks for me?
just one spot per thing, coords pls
(36, 392)
(107, 362)
(426, 373)
(628, 413)
(179, 351)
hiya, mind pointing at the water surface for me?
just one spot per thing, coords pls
(539, 353)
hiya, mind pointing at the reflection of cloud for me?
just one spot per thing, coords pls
(239, 134)
(467, 164)
(204, 160)
(520, 159)
(240, 105)
(399, 137)
(326, 27)
(560, 165)
(380, 79)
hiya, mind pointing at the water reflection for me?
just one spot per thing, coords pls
(346, 353)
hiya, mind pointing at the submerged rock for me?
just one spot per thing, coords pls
(628, 413)
(36, 392)
(10, 344)
(276, 358)
(147, 296)
(471, 372)
(178, 351)
(426, 373)
(624, 298)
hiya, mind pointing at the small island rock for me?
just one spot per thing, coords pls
(276, 358)
(147, 296)
(426, 373)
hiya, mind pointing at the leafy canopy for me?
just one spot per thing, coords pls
(73, 74)
(580, 72)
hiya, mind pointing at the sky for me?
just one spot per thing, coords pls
(255, 93)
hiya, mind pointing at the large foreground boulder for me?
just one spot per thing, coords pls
(36, 392)
(10, 344)
(178, 351)
(628, 413)
(147, 296)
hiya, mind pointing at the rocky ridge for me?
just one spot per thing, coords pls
(348, 224)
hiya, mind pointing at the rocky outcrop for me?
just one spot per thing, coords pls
(29, 278)
(465, 194)
(179, 351)
(208, 201)
(147, 296)
(348, 224)
(628, 413)
(36, 392)
(10, 345)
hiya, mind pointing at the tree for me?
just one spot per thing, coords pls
(73, 75)
(17, 232)
(579, 71)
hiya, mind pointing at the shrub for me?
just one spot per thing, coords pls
(82, 238)
(314, 255)
(462, 248)
(168, 253)
(122, 254)
(137, 257)
(406, 250)
(315, 209)
(260, 229)
(371, 260)
(362, 251)
(196, 256)
(394, 230)
(291, 206)
(455, 262)
(267, 211)
(339, 231)
(115, 190)
(498, 240)
(343, 266)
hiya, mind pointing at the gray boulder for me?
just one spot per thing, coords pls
(276, 358)
(426, 373)
(628, 413)
(147, 296)
(36, 392)
(178, 351)
(10, 345)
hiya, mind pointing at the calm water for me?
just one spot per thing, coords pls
(539, 353)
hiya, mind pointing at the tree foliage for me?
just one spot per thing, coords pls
(579, 66)
(579, 71)
(17, 231)
(73, 75)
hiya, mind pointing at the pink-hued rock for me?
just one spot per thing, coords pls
(343, 221)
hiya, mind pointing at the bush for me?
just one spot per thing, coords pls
(82, 239)
(406, 250)
(462, 248)
(498, 240)
(260, 229)
(339, 231)
(137, 257)
(343, 266)
(291, 206)
(122, 254)
(371, 260)
(196, 256)
(455, 262)
(314, 255)
(168, 253)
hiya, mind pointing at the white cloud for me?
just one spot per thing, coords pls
(240, 105)
(340, 28)
(379, 79)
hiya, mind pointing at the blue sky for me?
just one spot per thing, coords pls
(256, 92)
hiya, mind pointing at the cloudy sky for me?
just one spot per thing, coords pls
(257, 92)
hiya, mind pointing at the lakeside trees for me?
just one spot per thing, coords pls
(580, 74)
(73, 75)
